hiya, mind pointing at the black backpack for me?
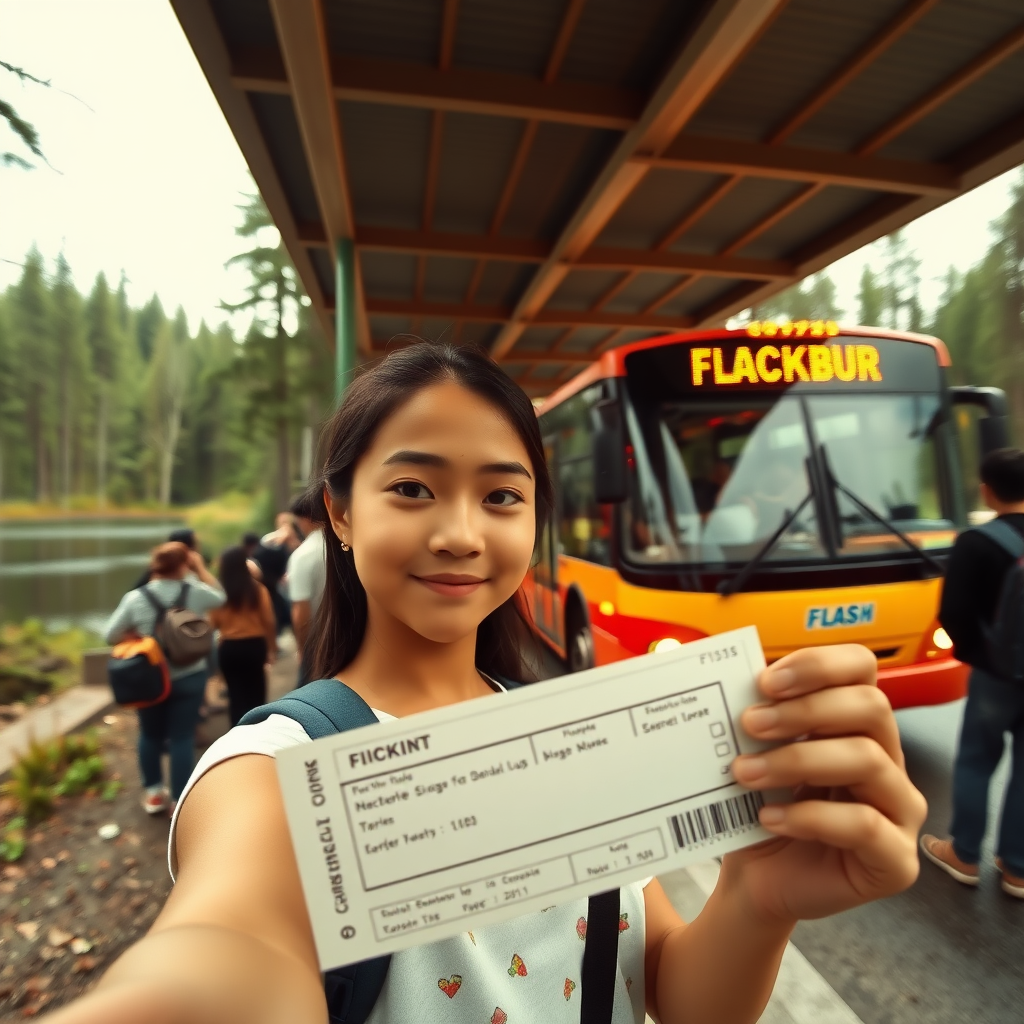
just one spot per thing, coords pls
(1004, 638)
(327, 707)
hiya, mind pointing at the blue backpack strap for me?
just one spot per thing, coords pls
(324, 708)
(1002, 533)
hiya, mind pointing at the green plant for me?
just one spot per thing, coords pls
(61, 767)
(12, 839)
(110, 790)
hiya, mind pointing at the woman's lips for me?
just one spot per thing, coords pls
(451, 584)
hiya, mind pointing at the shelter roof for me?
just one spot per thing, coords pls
(550, 178)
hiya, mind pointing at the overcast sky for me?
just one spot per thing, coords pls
(146, 174)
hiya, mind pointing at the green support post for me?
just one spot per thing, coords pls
(344, 316)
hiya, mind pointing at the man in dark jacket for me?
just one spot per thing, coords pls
(974, 578)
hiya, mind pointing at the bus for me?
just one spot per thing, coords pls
(801, 477)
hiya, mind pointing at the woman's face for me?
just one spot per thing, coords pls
(441, 518)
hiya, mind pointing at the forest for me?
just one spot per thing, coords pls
(103, 404)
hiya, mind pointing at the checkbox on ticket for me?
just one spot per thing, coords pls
(717, 729)
(721, 749)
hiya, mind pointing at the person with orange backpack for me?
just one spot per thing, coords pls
(168, 607)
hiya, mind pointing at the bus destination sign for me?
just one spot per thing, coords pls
(771, 362)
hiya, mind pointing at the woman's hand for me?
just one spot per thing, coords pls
(850, 836)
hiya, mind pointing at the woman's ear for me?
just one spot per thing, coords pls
(338, 514)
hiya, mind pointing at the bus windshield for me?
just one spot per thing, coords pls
(716, 477)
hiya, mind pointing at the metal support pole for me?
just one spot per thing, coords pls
(344, 316)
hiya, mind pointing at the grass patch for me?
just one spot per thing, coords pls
(34, 661)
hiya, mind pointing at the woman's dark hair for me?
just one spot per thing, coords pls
(237, 581)
(371, 398)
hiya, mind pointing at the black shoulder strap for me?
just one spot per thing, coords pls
(600, 959)
(182, 595)
(148, 594)
(1002, 533)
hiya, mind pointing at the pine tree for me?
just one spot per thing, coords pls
(166, 387)
(871, 299)
(811, 299)
(12, 409)
(101, 328)
(72, 368)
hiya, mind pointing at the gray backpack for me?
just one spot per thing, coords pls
(1004, 638)
(184, 635)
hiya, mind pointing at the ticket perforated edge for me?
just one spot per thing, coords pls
(412, 830)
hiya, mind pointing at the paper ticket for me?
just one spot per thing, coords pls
(413, 830)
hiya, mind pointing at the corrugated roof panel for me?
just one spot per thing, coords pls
(949, 37)
(323, 267)
(385, 153)
(502, 283)
(748, 203)
(995, 98)
(641, 292)
(586, 339)
(277, 121)
(514, 37)
(476, 153)
(661, 200)
(245, 23)
(812, 218)
(537, 339)
(628, 45)
(580, 289)
(789, 64)
(479, 334)
(384, 328)
(388, 275)
(564, 161)
(446, 280)
(394, 29)
(702, 291)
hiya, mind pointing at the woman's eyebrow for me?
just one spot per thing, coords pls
(408, 457)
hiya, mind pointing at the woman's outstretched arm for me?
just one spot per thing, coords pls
(233, 943)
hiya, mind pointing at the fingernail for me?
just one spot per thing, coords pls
(751, 767)
(772, 815)
(761, 718)
(779, 680)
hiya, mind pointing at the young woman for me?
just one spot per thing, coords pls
(434, 485)
(172, 722)
(248, 634)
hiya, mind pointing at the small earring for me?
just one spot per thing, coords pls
(345, 547)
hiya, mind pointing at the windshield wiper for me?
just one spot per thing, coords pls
(866, 510)
(739, 581)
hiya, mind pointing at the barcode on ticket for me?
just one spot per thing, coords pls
(703, 823)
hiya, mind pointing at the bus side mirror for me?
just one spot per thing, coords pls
(993, 428)
(610, 484)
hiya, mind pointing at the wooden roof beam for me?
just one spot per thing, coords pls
(710, 52)
(608, 258)
(463, 90)
(204, 36)
(302, 34)
(545, 317)
(786, 163)
(442, 243)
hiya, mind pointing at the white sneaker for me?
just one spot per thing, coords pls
(155, 801)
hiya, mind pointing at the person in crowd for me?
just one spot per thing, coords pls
(173, 721)
(977, 569)
(306, 575)
(250, 542)
(248, 634)
(437, 484)
(271, 555)
(185, 535)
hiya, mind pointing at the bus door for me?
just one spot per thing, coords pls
(547, 610)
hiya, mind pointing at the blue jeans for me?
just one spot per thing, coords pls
(993, 708)
(173, 722)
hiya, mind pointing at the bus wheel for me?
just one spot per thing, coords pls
(581, 649)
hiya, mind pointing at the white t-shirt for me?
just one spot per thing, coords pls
(307, 570)
(523, 970)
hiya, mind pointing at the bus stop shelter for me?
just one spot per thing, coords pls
(549, 178)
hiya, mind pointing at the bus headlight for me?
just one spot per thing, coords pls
(940, 638)
(670, 643)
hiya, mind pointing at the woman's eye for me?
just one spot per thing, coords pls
(502, 498)
(409, 489)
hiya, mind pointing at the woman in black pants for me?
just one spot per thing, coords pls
(247, 634)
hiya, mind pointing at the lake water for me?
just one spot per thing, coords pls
(72, 571)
